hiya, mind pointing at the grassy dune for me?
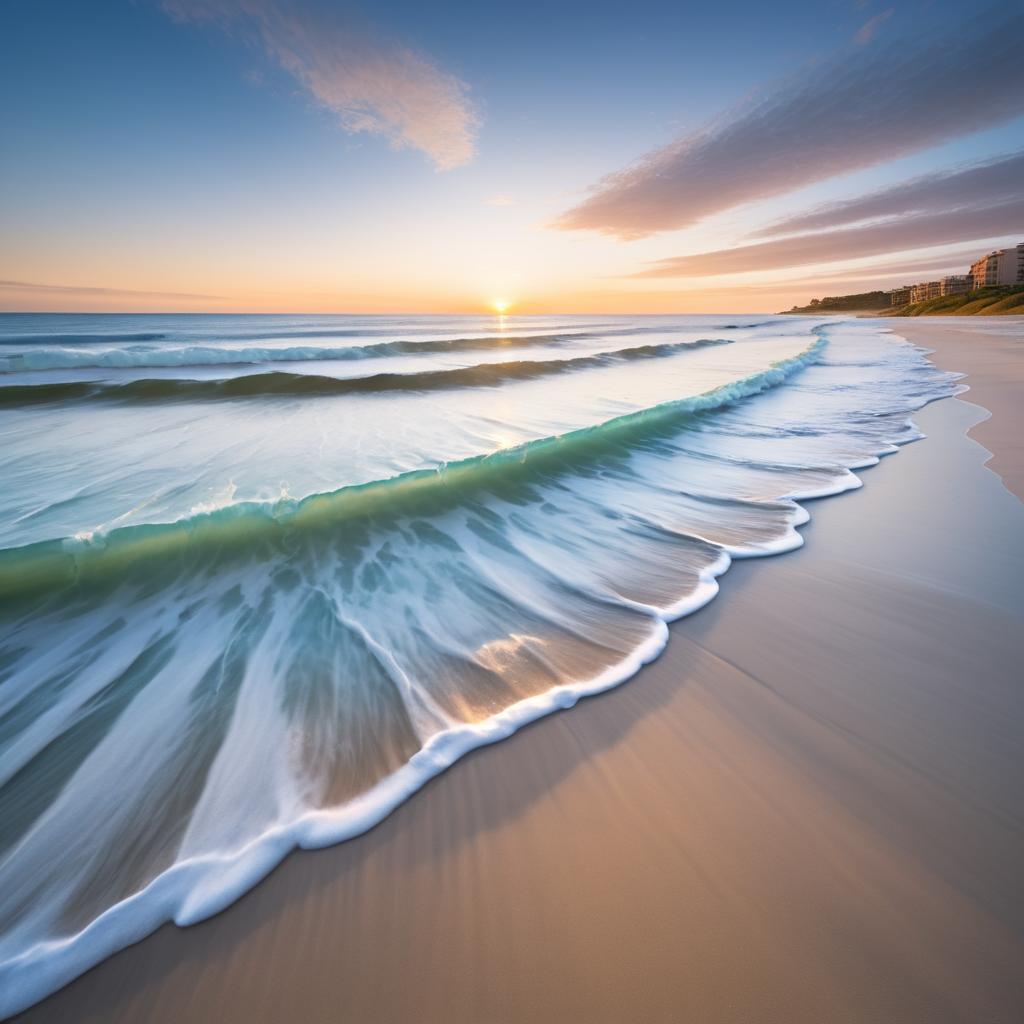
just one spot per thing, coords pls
(993, 301)
(860, 303)
(1005, 299)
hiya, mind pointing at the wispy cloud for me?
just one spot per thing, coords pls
(861, 108)
(500, 200)
(901, 267)
(370, 83)
(869, 29)
(904, 268)
(977, 185)
(899, 235)
(85, 290)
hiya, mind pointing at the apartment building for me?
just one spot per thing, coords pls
(954, 284)
(1002, 266)
(925, 290)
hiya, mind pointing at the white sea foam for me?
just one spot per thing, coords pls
(221, 687)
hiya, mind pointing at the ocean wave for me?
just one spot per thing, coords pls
(265, 676)
(47, 353)
(73, 559)
(224, 355)
(281, 383)
(79, 339)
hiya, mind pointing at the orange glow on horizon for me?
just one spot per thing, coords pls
(237, 296)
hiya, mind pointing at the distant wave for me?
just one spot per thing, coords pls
(77, 339)
(310, 385)
(222, 355)
(59, 562)
(47, 357)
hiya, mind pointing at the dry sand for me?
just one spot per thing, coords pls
(808, 810)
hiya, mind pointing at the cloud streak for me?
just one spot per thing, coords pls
(905, 233)
(974, 186)
(370, 84)
(901, 267)
(861, 108)
(870, 28)
(71, 289)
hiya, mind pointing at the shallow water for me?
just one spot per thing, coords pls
(261, 577)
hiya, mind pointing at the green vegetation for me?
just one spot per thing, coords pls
(994, 301)
(845, 303)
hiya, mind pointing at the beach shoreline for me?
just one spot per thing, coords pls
(995, 379)
(804, 810)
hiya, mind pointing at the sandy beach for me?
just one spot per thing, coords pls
(807, 809)
(996, 376)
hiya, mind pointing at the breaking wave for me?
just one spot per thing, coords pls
(182, 703)
(306, 384)
(50, 354)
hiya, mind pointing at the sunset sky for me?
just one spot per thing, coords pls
(267, 155)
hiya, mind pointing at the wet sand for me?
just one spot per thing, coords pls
(809, 809)
(995, 369)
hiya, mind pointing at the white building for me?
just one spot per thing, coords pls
(1003, 266)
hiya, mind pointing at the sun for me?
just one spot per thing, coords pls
(500, 306)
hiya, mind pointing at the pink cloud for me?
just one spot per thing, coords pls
(899, 235)
(861, 108)
(870, 27)
(370, 84)
(981, 184)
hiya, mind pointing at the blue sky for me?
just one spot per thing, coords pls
(278, 154)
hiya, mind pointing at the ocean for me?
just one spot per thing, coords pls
(261, 577)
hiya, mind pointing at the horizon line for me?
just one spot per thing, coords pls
(496, 316)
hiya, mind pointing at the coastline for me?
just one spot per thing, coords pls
(803, 810)
(995, 379)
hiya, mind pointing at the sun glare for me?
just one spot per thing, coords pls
(500, 306)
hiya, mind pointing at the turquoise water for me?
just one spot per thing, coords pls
(261, 577)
